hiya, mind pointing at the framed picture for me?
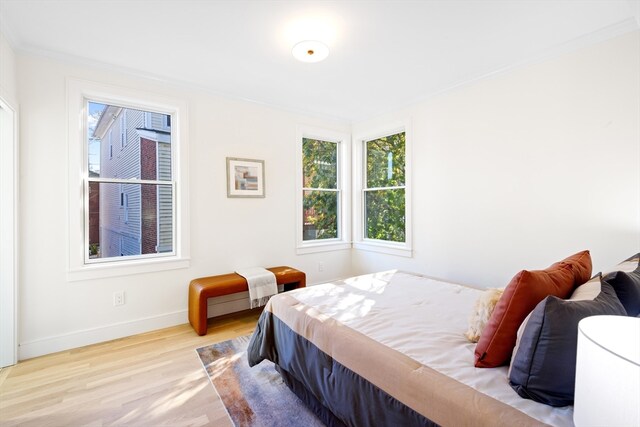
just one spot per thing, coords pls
(245, 177)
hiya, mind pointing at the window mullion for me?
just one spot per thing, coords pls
(397, 187)
(129, 181)
(336, 190)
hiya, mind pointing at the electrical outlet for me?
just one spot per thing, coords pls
(321, 266)
(118, 298)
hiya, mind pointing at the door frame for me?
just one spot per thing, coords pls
(9, 233)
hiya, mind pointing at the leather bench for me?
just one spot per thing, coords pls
(214, 286)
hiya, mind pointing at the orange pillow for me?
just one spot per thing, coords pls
(521, 296)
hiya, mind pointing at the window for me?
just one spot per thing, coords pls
(140, 180)
(128, 222)
(384, 189)
(382, 222)
(322, 191)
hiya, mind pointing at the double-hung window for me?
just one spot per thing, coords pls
(131, 216)
(383, 206)
(322, 191)
(133, 211)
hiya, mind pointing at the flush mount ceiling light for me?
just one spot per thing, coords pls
(310, 51)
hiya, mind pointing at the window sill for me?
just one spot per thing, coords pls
(124, 268)
(385, 248)
(311, 248)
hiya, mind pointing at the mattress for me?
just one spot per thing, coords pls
(388, 348)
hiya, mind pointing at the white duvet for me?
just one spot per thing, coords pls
(425, 319)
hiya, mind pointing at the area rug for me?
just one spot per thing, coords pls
(257, 396)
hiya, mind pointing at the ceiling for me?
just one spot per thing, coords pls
(384, 55)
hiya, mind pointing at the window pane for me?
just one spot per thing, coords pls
(384, 215)
(127, 143)
(385, 161)
(319, 163)
(129, 219)
(320, 215)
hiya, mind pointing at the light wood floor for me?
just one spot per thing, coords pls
(153, 379)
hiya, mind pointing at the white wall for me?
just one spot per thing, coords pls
(8, 84)
(8, 204)
(225, 233)
(512, 172)
(525, 168)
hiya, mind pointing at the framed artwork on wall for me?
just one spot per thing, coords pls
(245, 177)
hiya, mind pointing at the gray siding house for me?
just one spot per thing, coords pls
(135, 219)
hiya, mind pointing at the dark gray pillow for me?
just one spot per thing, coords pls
(543, 367)
(627, 287)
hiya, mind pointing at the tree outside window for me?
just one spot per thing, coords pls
(385, 186)
(321, 192)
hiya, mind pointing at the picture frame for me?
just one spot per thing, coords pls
(245, 177)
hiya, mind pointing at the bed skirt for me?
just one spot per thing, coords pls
(337, 395)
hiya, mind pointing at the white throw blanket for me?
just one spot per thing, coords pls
(262, 284)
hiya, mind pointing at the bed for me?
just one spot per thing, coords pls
(388, 349)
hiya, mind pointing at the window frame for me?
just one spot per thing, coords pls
(343, 188)
(360, 187)
(79, 92)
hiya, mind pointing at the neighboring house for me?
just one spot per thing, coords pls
(135, 219)
(94, 211)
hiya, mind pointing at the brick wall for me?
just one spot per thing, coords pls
(94, 212)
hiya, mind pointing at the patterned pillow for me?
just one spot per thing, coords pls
(521, 296)
(543, 367)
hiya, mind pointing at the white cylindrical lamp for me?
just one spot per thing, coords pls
(607, 389)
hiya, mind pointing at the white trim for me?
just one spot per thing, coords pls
(9, 219)
(618, 29)
(326, 246)
(125, 268)
(382, 247)
(359, 241)
(598, 36)
(83, 337)
(78, 91)
(343, 141)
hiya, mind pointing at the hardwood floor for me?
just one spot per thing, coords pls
(152, 379)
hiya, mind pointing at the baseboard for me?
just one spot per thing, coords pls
(54, 344)
(216, 307)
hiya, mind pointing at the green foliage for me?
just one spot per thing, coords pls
(385, 161)
(93, 249)
(320, 171)
(385, 208)
(384, 215)
(320, 164)
(321, 215)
